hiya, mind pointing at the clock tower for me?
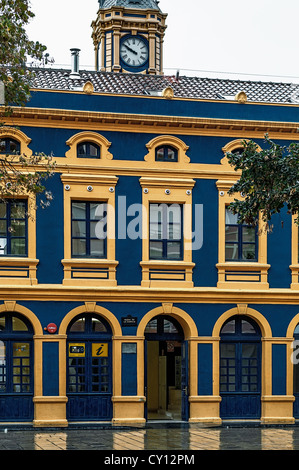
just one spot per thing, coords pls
(128, 36)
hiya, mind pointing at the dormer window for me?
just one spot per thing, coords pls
(9, 146)
(88, 150)
(166, 153)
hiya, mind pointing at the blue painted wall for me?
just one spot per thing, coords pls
(152, 105)
(50, 235)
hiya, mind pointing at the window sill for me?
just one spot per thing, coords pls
(18, 270)
(89, 271)
(243, 275)
(156, 273)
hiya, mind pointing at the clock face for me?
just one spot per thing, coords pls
(134, 51)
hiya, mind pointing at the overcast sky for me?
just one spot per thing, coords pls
(252, 39)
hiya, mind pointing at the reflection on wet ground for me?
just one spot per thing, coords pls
(157, 437)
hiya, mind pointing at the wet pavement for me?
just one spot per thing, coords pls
(152, 438)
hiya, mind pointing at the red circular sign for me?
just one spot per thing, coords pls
(52, 328)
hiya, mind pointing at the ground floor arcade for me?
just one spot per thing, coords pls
(98, 365)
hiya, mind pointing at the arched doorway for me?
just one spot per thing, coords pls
(166, 369)
(16, 368)
(240, 368)
(89, 368)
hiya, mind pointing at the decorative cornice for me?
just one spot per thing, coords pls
(45, 117)
(149, 294)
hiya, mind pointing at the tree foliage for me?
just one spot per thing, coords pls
(15, 50)
(269, 181)
(19, 173)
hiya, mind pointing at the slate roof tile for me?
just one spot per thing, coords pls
(183, 87)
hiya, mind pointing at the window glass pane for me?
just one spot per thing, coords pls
(247, 328)
(174, 222)
(156, 216)
(230, 218)
(3, 228)
(93, 150)
(97, 229)
(14, 147)
(231, 251)
(3, 246)
(174, 232)
(3, 210)
(160, 154)
(155, 231)
(248, 252)
(173, 250)
(18, 228)
(231, 233)
(81, 149)
(79, 247)
(249, 350)
(171, 154)
(18, 246)
(79, 229)
(239, 150)
(169, 327)
(248, 234)
(18, 324)
(78, 210)
(296, 330)
(227, 350)
(98, 326)
(18, 210)
(20, 349)
(2, 146)
(98, 210)
(156, 250)
(156, 213)
(97, 248)
(78, 326)
(174, 213)
(151, 327)
(229, 327)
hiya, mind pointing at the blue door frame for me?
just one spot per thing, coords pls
(89, 370)
(16, 368)
(240, 369)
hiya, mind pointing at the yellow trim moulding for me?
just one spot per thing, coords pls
(91, 120)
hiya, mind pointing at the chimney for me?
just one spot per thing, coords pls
(75, 63)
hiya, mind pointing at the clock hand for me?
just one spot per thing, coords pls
(131, 50)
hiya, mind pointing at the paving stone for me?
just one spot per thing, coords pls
(149, 438)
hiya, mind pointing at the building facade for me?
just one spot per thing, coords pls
(135, 295)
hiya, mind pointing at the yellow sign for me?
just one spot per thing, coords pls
(76, 350)
(100, 350)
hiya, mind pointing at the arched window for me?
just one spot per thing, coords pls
(9, 146)
(88, 150)
(239, 150)
(166, 153)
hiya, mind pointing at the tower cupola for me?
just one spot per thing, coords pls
(128, 36)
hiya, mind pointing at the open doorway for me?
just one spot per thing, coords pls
(165, 369)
